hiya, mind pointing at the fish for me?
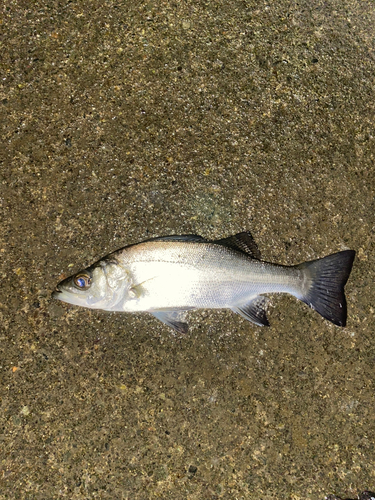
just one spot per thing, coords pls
(171, 275)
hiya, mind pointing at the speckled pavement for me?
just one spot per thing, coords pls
(126, 120)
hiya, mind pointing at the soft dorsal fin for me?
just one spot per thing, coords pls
(243, 242)
(182, 238)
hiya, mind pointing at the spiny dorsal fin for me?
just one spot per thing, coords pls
(182, 238)
(243, 242)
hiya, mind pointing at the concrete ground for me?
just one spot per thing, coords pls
(126, 120)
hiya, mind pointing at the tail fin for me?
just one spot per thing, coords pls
(325, 281)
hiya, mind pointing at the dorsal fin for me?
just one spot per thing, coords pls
(242, 242)
(182, 238)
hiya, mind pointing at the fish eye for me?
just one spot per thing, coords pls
(82, 281)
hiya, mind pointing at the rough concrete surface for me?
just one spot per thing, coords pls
(122, 120)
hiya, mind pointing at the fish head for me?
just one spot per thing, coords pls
(101, 286)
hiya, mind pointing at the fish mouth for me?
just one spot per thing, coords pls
(68, 296)
(56, 293)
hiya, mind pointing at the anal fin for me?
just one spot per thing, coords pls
(254, 311)
(176, 319)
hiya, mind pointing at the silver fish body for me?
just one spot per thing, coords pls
(171, 275)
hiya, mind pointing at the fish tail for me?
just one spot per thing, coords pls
(324, 284)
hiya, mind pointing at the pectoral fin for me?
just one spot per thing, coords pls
(136, 291)
(174, 319)
(139, 290)
(254, 311)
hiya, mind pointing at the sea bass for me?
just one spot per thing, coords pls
(172, 275)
